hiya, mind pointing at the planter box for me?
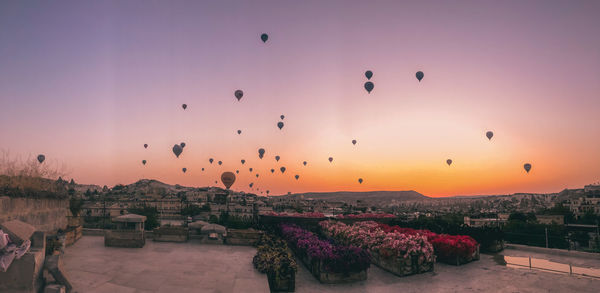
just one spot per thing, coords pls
(171, 234)
(281, 284)
(400, 266)
(248, 237)
(124, 238)
(317, 268)
(457, 260)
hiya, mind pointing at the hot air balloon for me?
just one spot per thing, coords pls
(211, 160)
(489, 135)
(297, 176)
(280, 125)
(330, 159)
(238, 94)
(184, 170)
(360, 180)
(272, 170)
(282, 117)
(220, 163)
(449, 162)
(145, 145)
(215, 181)
(41, 158)
(277, 158)
(282, 169)
(250, 169)
(144, 162)
(267, 192)
(251, 184)
(354, 141)
(243, 161)
(419, 75)
(227, 178)
(184, 106)
(527, 167)
(256, 175)
(202, 169)
(237, 171)
(182, 144)
(239, 131)
(264, 37)
(177, 149)
(304, 163)
(369, 86)
(369, 74)
(261, 153)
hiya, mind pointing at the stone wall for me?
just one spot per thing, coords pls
(47, 215)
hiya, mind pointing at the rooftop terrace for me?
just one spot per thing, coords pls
(195, 267)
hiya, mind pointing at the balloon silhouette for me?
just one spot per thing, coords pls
(280, 124)
(227, 178)
(369, 74)
(239, 131)
(182, 144)
(41, 158)
(304, 163)
(449, 162)
(256, 175)
(489, 135)
(184, 106)
(215, 181)
(202, 169)
(211, 160)
(144, 162)
(177, 149)
(145, 145)
(369, 86)
(354, 141)
(261, 153)
(282, 169)
(184, 170)
(250, 185)
(238, 94)
(237, 171)
(277, 158)
(527, 167)
(272, 170)
(297, 176)
(330, 159)
(360, 180)
(220, 163)
(281, 117)
(419, 75)
(243, 161)
(264, 37)
(267, 192)
(250, 169)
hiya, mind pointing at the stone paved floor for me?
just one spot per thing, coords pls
(195, 267)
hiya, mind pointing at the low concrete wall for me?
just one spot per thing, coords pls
(47, 215)
(130, 239)
(553, 251)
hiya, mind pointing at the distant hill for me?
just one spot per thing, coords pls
(370, 197)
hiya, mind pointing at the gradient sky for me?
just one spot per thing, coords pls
(87, 83)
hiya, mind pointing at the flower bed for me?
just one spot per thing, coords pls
(450, 249)
(274, 258)
(327, 261)
(400, 254)
(296, 215)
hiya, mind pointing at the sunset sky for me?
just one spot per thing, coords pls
(87, 83)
